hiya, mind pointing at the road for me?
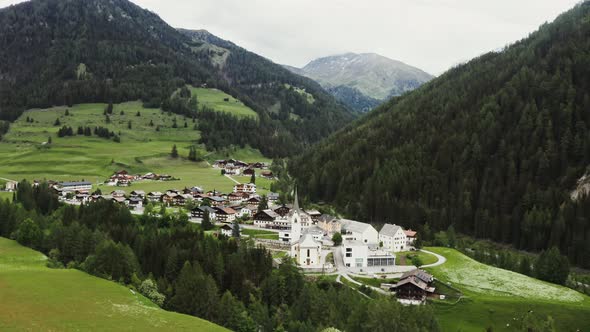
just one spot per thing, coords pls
(441, 259)
(234, 180)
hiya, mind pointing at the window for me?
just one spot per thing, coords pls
(359, 262)
(348, 254)
(308, 253)
(348, 249)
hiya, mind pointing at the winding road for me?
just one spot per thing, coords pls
(441, 259)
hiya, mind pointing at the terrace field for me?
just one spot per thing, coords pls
(500, 299)
(36, 298)
(221, 101)
(26, 155)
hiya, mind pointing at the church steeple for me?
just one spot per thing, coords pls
(296, 203)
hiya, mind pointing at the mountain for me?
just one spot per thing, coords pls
(493, 147)
(57, 52)
(351, 76)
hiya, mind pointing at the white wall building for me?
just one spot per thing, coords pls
(393, 238)
(359, 231)
(362, 258)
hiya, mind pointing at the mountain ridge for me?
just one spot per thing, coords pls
(363, 80)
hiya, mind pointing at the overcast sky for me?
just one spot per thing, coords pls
(430, 34)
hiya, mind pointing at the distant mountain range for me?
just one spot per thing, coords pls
(362, 81)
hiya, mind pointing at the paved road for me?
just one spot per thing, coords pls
(5, 179)
(441, 259)
(234, 180)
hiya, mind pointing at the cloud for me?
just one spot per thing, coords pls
(431, 34)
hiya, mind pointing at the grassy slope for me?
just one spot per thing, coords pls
(495, 297)
(215, 99)
(426, 258)
(34, 297)
(142, 149)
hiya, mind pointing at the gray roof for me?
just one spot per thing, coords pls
(390, 230)
(354, 226)
(307, 241)
(72, 184)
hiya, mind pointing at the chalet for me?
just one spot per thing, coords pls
(135, 203)
(249, 188)
(120, 200)
(258, 165)
(267, 175)
(249, 172)
(165, 177)
(154, 196)
(393, 238)
(75, 186)
(411, 237)
(282, 210)
(149, 176)
(253, 201)
(171, 198)
(314, 214)
(118, 193)
(214, 201)
(81, 198)
(199, 212)
(225, 214)
(265, 218)
(272, 197)
(307, 251)
(329, 224)
(235, 198)
(414, 287)
(242, 211)
(193, 191)
(226, 230)
(95, 198)
(138, 193)
(11, 186)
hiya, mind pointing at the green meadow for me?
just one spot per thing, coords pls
(36, 298)
(499, 299)
(25, 153)
(221, 101)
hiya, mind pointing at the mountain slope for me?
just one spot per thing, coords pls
(350, 76)
(40, 298)
(59, 52)
(493, 147)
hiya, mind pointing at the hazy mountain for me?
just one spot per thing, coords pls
(493, 147)
(372, 76)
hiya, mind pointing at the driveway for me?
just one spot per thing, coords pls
(441, 259)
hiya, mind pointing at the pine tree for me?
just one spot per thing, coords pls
(235, 232)
(129, 124)
(206, 224)
(57, 122)
(174, 153)
(253, 178)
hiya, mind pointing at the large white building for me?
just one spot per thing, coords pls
(75, 186)
(359, 231)
(393, 238)
(360, 257)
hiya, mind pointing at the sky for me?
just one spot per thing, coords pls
(432, 35)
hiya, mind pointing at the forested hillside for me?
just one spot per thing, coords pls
(57, 52)
(493, 147)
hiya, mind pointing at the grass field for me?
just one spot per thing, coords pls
(5, 195)
(260, 234)
(36, 298)
(216, 99)
(142, 149)
(405, 257)
(499, 298)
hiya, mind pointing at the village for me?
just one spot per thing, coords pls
(316, 242)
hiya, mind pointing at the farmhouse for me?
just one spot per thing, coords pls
(242, 211)
(75, 186)
(393, 238)
(307, 251)
(118, 193)
(135, 203)
(314, 215)
(267, 175)
(11, 186)
(282, 210)
(225, 214)
(265, 218)
(411, 237)
(255, 201)
(226, 230)
(138, 193)
(414, 287)
(249, 172)
(199, 212)
(154, 196)
(272, 197)
(249, 188)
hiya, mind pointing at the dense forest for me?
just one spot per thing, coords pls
(57, 52)
(180, 268)
(493, 147)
